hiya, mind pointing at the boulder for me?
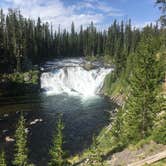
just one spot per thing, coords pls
(36, 121)
(27, 77)
(9, 139)
(88, 66)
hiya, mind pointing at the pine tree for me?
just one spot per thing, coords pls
(73, 40)
(162, 7)
(3, 57)
(140, 108)
(159, 128)
(2, 159)
(21, 151)
(95, 158)
(56, 151)
(81, 44)
(117, 127)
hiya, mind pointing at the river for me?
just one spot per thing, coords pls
(67, 89)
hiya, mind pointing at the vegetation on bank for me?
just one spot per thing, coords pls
(30, 77)
(19, 83)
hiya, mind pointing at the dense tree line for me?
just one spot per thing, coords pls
(25, 42)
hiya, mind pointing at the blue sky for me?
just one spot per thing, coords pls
(101, 12)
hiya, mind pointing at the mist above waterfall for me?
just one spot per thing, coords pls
(71, 78)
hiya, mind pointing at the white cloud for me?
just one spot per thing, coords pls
(141, 25)
(56, 12)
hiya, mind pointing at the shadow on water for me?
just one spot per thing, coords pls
(82, 119)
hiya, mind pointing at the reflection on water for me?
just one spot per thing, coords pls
(82, 118)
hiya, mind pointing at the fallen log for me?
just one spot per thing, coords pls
(150, 160)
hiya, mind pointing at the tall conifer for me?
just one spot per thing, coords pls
(2, 159)
(56, 151)
(140, 108)
(21, 150)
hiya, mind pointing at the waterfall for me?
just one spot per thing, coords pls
(74, 80)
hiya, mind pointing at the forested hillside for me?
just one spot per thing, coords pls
(25, 42)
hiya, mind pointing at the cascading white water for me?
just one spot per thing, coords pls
(74, 80)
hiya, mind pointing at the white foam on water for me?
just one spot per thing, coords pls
(74, 80)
